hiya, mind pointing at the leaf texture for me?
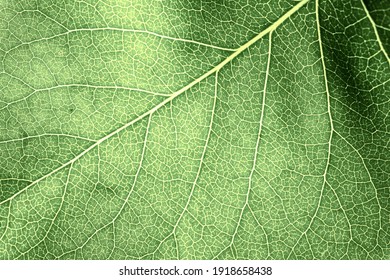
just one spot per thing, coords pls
(194, 129)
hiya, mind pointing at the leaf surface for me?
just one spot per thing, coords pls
(194, 129)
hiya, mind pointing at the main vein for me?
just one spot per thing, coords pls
(173, 96)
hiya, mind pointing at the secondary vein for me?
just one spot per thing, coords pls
(246, 204)
(330, 132)
(375, 31)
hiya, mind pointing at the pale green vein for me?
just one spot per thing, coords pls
(344, 213)
(47, 135)
(8, 219)
(138, 169)
(16, 78)
(147, 130)
(202, 156)
(195, 182)
(124, 30)
(203, 152)
(114, 87)
(330, 132)
(173, 96)
(262, 228)
(157, 35)
(256, 153)
(375, 31)
(15, 179)
(370, 179)
(48, 17)
(283, 208)
(56, 214)
(382, 27)
(113, 242)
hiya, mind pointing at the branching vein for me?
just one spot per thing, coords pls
(173, 96)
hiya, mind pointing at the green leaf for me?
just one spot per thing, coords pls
(194, 129)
